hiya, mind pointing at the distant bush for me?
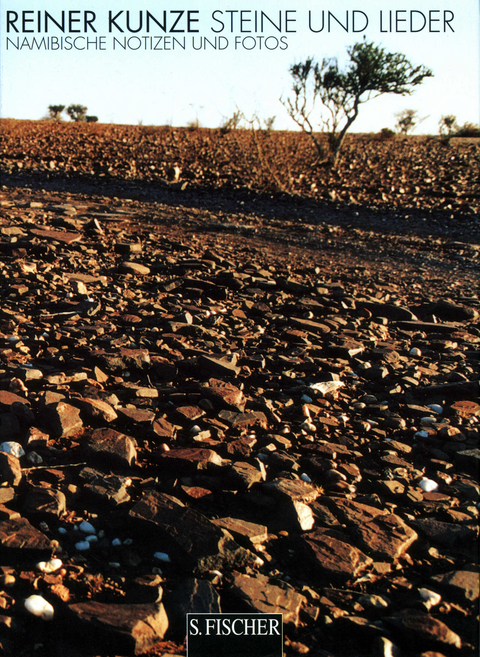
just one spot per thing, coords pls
(386, 134)
(194, 124)
(55, 112)
(77, 113)
(91, 119)
(468, 130)
(231, 123)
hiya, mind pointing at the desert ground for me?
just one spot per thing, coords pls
(233, 380)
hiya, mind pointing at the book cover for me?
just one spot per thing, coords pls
(237, 325)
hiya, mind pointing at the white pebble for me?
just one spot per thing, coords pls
(305, 477)
(13, 448)
(195, 430)
(116, 542)
(306, 399)
(49, 566)
(428, 420)
(415, 351)
(162, 556)
(428, 485)
(62, 530)
(91, 538)
(87, 528)
(82, 546)
(38, 606)
(436, 408)
(430, 597)
(114, 564)
(128, 541)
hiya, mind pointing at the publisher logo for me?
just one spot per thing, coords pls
(234, 635)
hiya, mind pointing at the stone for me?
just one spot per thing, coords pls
(123, 628)
(195, 541)
(44, 501)
(444, 533)
(109, 489)
(261, 596)
(10, 470)
(111, 445)
(189, 460)
(463, 585)
(352, 512)
(330, 557)
(422, 630)
(218, 366)
(20, 540)
(244, 475)
(131, 267)
(295, 490)
(241, 529)
(190, 596)
(95, 409)
(62, 419)
(224, 394)
(386, 536)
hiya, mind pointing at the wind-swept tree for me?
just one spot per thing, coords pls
(371, 72)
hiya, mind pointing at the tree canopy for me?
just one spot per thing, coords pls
(371, 72)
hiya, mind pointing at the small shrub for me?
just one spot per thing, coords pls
(468, 130)
(231, 123)
(55, 112)
(91, 119)
(194, 124)
(77, 113)
(386, 134)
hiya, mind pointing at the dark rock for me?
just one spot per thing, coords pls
(260, 596)
(196, 542)
(444, 533)
(330, 557)
(20, 540)
(190, 596)
(462, 585)
(10, 469)
(62, 419)
(111, 445)
(423, 631)
(44, 501)
(109, 489)
(386, 536)
(123, 628)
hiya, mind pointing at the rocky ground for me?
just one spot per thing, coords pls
(213, 399)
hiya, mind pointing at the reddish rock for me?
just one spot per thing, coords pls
(113, 446)
(124, 628)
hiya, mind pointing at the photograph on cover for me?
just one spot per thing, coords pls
(239, 328)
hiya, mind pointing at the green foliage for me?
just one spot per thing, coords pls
(77, 113)
(55, 112)
(91, 119)
(371, 72)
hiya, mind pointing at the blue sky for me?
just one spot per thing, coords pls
(248, 69)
